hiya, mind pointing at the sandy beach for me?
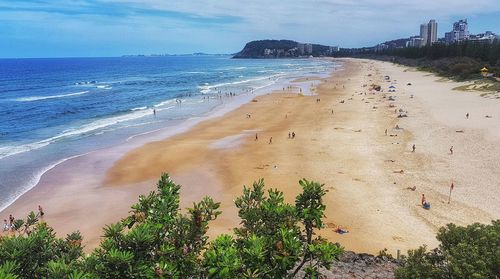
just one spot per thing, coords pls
(340, 141)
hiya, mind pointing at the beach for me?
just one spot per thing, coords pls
(339, 141)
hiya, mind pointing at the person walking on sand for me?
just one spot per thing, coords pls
(270, 140)
(467, 115)
(451, 189)
(40, 211)
(289, 135)
(386, 132)
(293, 135)
(413, 148)
(11, 221)
(256, 136)
(5, 225)
(451, 150)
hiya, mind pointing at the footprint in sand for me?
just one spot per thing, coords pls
(262, 167)
(397, 238)
(330, 225)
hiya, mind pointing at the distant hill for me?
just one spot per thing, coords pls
(282, 49)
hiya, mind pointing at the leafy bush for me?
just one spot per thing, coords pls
(156, 240)
(464, 252)
(34, 250)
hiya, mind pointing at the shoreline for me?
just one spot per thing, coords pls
(224, 105)
(91, 166)
(346, 150)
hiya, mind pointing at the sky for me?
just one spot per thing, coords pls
(96, 28)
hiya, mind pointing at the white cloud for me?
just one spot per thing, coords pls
(341, 18)
(149, 25)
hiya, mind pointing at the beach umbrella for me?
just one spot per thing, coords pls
(392, 86)
(484, 72)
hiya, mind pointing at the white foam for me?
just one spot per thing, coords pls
(207, 88)
(86, 82)
(233, 68)
(86, 128)
(166, 108)
(164, 103)
(35, 179)
(37, 98)
(139, 108)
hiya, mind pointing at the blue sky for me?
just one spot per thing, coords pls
(56, 28)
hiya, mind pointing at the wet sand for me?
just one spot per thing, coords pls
(347, 150)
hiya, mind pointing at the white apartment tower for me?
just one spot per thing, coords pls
(432, 32)
(424, 33)
(428, 33)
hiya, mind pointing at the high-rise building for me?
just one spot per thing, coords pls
(459, 33)
(428, 34)
(424, 33)
(432, 32)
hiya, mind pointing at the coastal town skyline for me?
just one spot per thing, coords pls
(114, 28)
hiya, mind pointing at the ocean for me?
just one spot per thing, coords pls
(52, 110)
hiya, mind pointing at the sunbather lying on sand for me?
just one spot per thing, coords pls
(341, 231)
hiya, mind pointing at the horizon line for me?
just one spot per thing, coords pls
(123, 56)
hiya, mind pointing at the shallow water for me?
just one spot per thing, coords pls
(55, 109)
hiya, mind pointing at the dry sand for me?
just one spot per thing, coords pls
(348, 151)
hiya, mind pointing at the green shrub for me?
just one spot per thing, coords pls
(275, 240)
(464, 252)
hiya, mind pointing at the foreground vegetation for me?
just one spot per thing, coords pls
(274, 240)
(464, 252)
